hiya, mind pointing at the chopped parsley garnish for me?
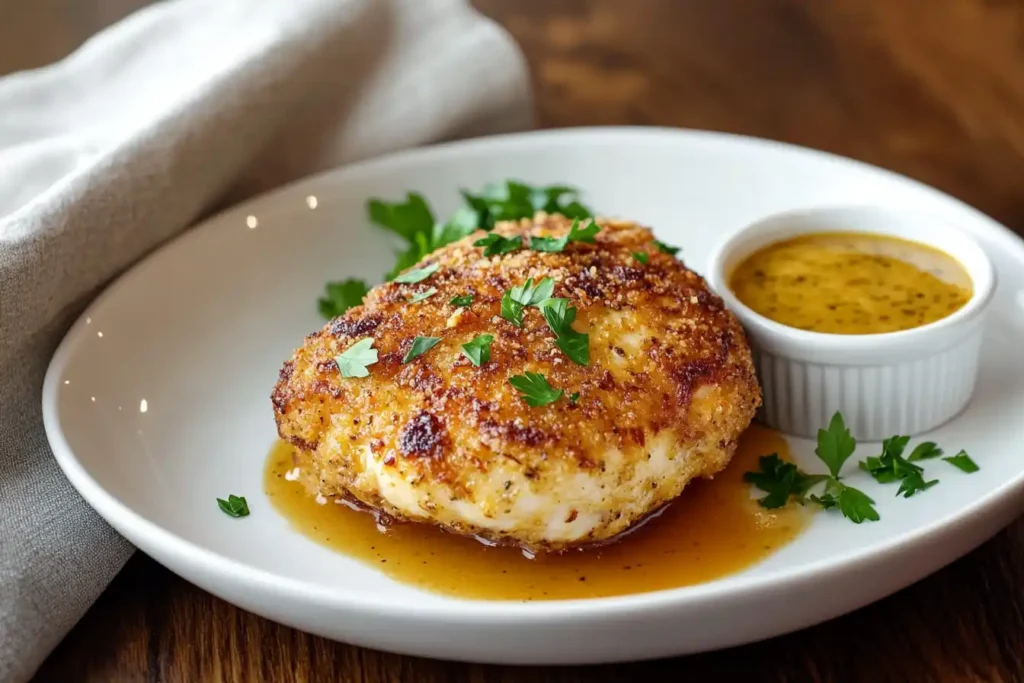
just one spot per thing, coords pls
(641, 256)
(420, 345)
(511, 310)
(416, 298)
(574, 396)
(527, 294)
(914, 482)
(924, 451)
(671, 251)
(890, 465)
(461, 301)
(560, 317)
(534, 389)
(418, 274)
(496, 244)
(234, 506)
(555, 244)
(341, 296)
(478, 349)
(353, 361)
(963, 462)
(781, 480)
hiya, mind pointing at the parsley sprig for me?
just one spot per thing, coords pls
(782, 480)
(515, 300)
(413, 222)
(341, 296)
(513, 200)
(560, 316)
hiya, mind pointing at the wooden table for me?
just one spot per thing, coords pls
(930, 88)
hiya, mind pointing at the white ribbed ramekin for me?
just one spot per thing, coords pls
(906, 382)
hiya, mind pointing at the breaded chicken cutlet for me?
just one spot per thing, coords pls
(667, 389)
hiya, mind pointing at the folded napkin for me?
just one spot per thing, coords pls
(148, 127)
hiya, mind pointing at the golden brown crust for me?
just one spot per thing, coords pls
(657, 335)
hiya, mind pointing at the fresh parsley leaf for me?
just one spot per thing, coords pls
(560, 316)
(924, 451)
(418, 274)
(780, 480)
(461, 301)
(420, 345)
(234, 506)
(478, 349)
(511, 310)
(963, 462)
(855, 505)
(416, 298)
(406, 219)
(341, 296)
(575, 345)
(914, 482)
(671, 251)
(413, 221)
(549, 244)
(835, 444)
(575, 234)
(535, 389)
(640, 256)
(574, 396)
(353, 361)
(529, 294)
(526, 294)
(558, 309)
(412, 255)
(496, 244)
(463, 222)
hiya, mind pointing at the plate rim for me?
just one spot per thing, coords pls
(455, 610)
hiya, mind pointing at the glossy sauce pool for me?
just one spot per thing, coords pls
(714, 529)
(851, 283)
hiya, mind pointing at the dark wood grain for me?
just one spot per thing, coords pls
(930, 88)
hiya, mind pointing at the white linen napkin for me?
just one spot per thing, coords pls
(150, 126)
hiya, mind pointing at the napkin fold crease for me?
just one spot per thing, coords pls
(162, 119)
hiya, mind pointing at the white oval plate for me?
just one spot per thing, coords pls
(158, 401)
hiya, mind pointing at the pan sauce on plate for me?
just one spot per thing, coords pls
(715, 528)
